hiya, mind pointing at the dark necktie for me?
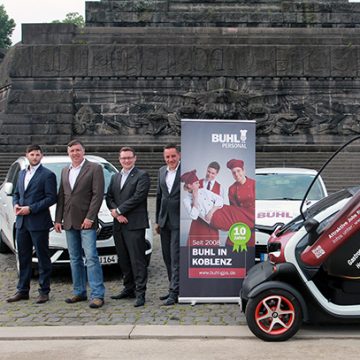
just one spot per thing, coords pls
(208, 186)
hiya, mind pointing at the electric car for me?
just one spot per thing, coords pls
(313, 269)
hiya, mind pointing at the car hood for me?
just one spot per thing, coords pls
(270, 212)
(104, 213)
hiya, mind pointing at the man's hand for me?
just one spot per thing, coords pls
(22, 210)
(87, 224)
(57, 227)
(122, 219)
(114, 213)
(157, 228)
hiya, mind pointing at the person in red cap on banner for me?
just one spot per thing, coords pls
(199, 229)
(242, 191)
(204, 204)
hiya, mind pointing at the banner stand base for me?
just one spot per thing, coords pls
(212, 300)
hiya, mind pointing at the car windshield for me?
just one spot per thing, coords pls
(281, 186)
(108, 169)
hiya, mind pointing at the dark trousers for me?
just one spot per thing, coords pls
(25, 241)
(130, 247)
(170, 246)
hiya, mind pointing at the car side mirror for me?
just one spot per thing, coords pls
(8, 188)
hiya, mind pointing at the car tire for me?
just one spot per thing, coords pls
(274, 315)
(4, 249)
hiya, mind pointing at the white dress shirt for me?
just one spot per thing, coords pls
(74, 173)
(170, 178)
(30, 172)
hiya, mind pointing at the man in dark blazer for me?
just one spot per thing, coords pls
(80, 197)
(168, 219)
(126, 198)
(35, 192)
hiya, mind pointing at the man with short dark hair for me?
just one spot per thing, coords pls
(168, 219)
(34, 194)
(126, 198)
(80, 197)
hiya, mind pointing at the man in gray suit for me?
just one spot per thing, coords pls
(126, 198)
(79, 200)
(168, 219)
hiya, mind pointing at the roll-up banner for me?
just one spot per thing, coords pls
(217, 237)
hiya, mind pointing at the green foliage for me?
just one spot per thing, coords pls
(7, 26)
(72, 18)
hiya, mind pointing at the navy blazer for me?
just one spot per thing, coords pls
(131, 199)
(40, 194)
(168, 204)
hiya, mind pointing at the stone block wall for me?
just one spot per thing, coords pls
(111, 82)
(225, 13)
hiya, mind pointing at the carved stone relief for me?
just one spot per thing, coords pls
(282, 113)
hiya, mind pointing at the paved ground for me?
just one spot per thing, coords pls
(57, 312)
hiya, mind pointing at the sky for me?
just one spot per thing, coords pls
(40, 11)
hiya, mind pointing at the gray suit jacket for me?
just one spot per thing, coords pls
(84, 201)
(131, 199)
(168, 204)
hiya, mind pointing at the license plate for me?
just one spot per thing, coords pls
(108, 259)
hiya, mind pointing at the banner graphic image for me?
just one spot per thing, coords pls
(217, 237)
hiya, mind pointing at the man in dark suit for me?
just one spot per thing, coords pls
(168, 219)
(127, 200)
(35, 192)
(80, 197)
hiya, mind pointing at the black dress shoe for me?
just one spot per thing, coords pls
(125, 294)
(164, 297)
(42, 298)
(171, 300)
(17, 297)
(140, 301)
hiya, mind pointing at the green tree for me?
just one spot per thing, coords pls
(72, 18)
(7, 27)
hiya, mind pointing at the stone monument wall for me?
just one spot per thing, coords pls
(138, 67)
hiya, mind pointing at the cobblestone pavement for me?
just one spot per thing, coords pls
(115, 312)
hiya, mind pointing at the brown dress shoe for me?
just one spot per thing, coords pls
(17, 297)
(42, 298)
(75, 299)
(96, 303)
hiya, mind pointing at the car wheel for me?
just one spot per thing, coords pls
(274, 315)
(4, 249)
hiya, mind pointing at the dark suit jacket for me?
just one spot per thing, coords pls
(40, 194)
(168, 205)
(131, 200)
(84, 201)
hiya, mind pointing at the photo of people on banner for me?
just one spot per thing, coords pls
(218, 206)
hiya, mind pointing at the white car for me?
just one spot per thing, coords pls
(279, 193)
(57, 241)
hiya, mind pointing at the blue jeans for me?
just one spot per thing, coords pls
(83, 242)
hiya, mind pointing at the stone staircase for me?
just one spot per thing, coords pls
(343, 171)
